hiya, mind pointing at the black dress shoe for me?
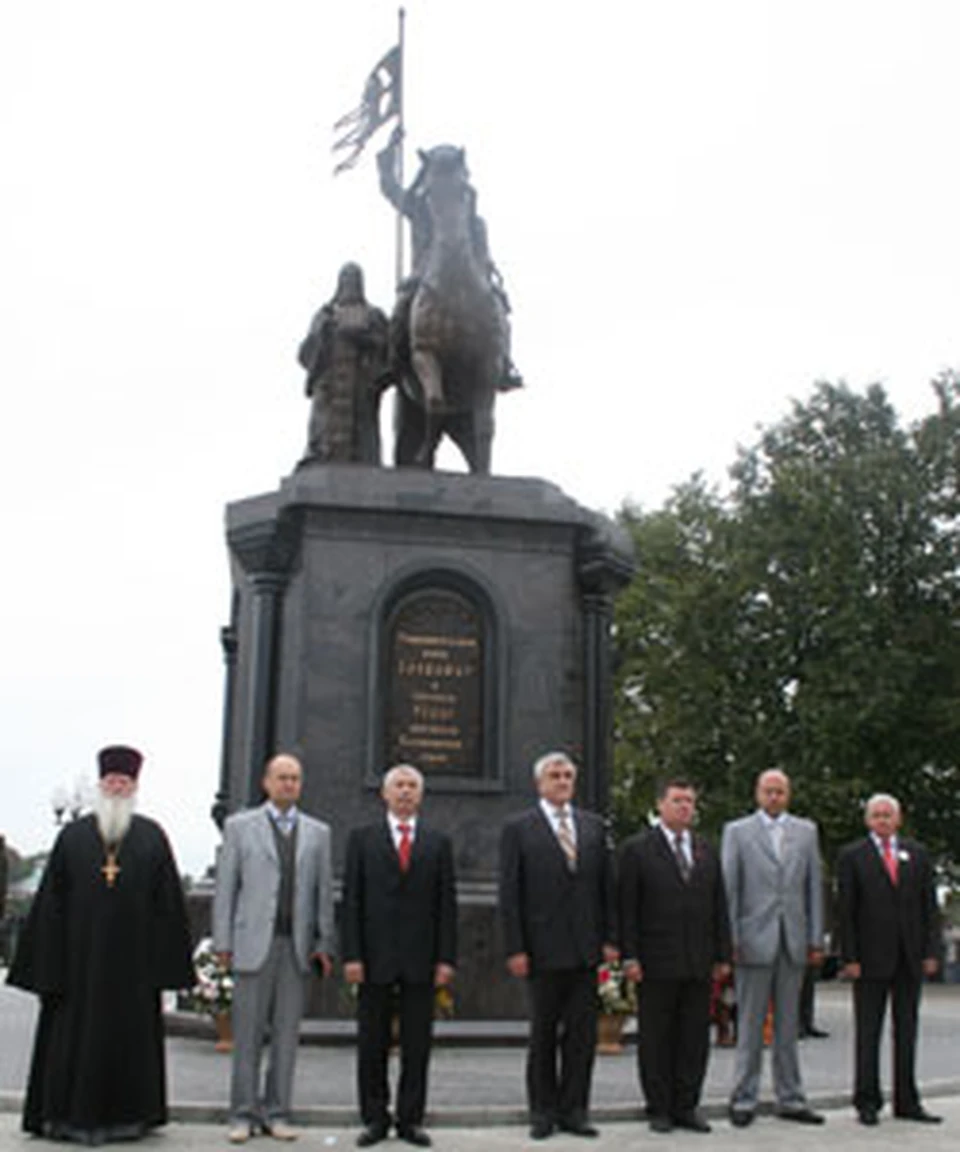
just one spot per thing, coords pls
(802, 1116)
(540, 1129)
(372, 1134)
(577, 1128)
(814, 1034)
(868, 1117)
(741, 1117)
(661, 1124)
(414, 1134)
(693, 1121)
(920, 1115)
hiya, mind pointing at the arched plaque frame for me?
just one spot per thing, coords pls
(460, 703)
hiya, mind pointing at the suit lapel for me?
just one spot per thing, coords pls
(384, 838)
(698, 854)
(765, 840)
(879, 865)
(303, 833)
(666, 852)
(265, 832)
(418, 847)
(545, 831)
(788, 838)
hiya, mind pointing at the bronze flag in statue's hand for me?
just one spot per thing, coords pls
(380, 102)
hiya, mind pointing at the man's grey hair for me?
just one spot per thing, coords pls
(395, 771)
(882, 798)
(552, 758)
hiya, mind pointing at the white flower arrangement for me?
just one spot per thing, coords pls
(212, 992)
(615, 993)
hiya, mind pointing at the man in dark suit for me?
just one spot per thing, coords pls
(557, 905)
(889, 942)
(675, 939)
(399, 944)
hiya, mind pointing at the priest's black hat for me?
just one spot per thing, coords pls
(119, 759)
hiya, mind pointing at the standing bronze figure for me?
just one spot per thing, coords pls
(345, 357)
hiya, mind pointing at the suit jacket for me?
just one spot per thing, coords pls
(678, 929)
(400, 925)
(880, 921)
(248, 885)
(767, 897)
(561, 919)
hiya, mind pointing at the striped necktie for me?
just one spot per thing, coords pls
(565, 836)
(682, 862)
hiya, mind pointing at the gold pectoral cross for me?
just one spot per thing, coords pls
(111, 870)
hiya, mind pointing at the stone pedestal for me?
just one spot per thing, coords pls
(459, 623)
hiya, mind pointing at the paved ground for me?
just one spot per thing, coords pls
(476, 1094)
(840, 1134)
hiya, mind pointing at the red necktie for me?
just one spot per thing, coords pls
(889, 859)
(403, 851)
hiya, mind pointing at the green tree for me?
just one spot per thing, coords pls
(807, 619)
(680, 675)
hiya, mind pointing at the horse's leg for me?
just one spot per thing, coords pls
(415, 442)
(427, 367)
(483, 434)
(472, 432)
(428, 372)
(408, 430)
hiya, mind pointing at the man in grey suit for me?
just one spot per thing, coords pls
(272, 912)
(771, 871)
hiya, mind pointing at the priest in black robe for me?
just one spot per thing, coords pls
(107, 931)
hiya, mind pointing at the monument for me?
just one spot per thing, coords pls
(459, 622)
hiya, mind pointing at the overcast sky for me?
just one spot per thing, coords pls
(699, 208)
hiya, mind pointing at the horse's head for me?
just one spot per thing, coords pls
(445, 181)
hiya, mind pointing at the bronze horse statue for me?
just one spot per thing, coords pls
(450, 328)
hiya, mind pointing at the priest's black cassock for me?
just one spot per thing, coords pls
(98, 954)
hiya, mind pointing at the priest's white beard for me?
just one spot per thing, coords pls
(114, 814)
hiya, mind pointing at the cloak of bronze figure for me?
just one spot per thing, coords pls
(345, 357)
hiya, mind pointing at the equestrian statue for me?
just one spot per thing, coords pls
(450, 332)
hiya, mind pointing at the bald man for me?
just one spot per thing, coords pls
(272, 913)
(771, 871)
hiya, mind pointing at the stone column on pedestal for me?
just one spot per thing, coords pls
(265, 550)
(228, 642)
(604, 566)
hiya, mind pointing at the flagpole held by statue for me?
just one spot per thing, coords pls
(449, 335)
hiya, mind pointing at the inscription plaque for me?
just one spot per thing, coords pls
(435, 683)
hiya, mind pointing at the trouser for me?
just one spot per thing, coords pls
(273, 999)
(870, 1002)
(564, 1020)
(673, 1043)
(757, 986)
(376, 1005)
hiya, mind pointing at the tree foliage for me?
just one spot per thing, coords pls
(807, 618)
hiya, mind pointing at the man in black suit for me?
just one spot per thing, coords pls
(889, 942)
(557, 905)
(675, 940)
(399, 944)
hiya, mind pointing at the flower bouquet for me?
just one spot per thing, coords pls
(212, 992)
(616, 994)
